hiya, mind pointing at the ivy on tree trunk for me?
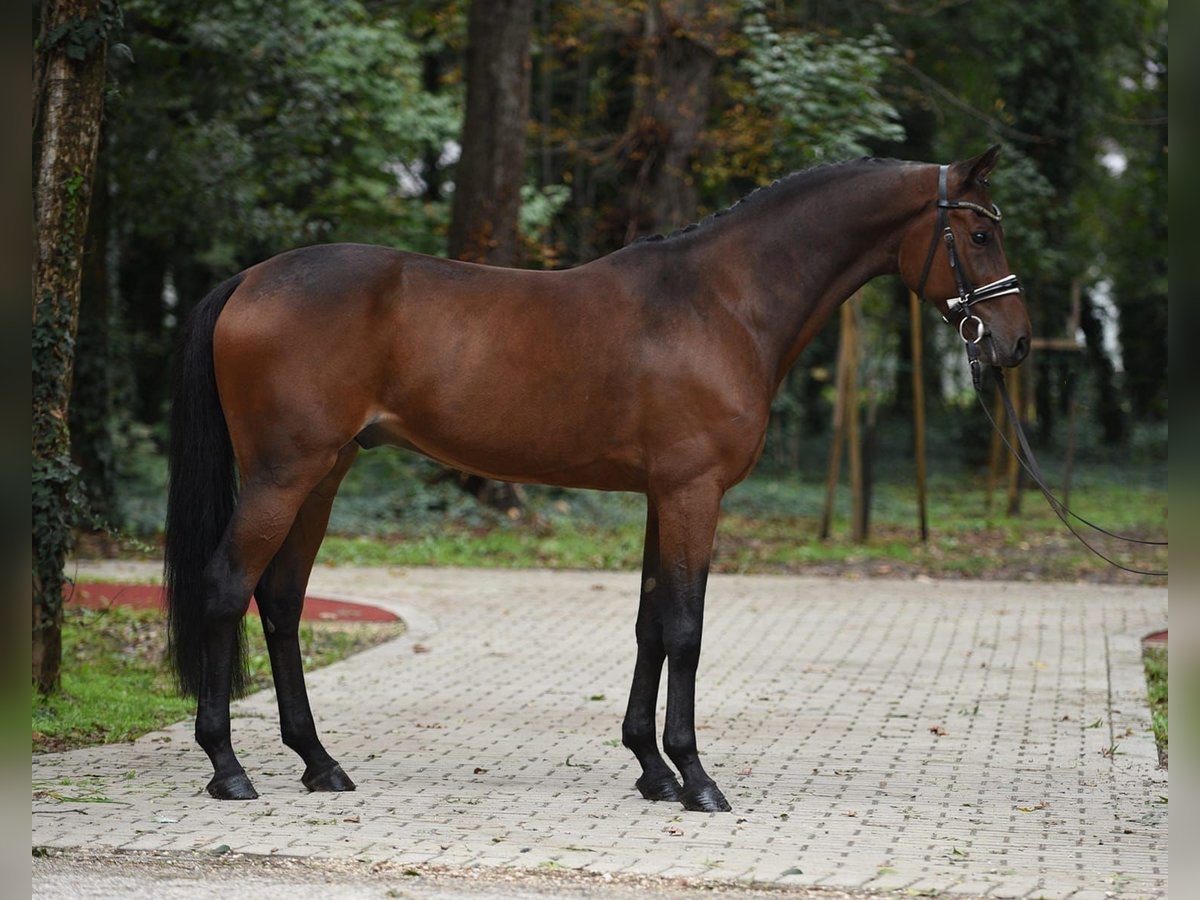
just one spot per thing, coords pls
(68, 102)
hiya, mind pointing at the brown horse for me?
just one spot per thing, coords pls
(649, 370)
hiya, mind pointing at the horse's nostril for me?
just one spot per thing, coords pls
(1021, 349)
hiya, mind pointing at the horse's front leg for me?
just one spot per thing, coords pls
(657, 781)
(687, 523)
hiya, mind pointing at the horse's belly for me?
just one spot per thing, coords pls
(527, 447)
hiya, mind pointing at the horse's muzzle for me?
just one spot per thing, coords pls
(1005, 353)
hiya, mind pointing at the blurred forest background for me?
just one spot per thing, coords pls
(236, 129)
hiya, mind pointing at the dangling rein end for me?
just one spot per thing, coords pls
(1030, 464)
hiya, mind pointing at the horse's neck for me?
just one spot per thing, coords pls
(819, 251)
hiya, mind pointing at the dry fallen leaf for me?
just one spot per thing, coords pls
(938, 730)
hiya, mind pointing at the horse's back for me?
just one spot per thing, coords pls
(577, 377)
(495, 370)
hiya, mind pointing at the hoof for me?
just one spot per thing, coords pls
(232, 787)
(704, 798)
(331, 779)
(659, 787)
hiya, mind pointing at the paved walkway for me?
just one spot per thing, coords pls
(924, 736)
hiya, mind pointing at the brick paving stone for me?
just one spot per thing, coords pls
(927, 736)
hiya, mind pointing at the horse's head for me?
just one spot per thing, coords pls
(953, 254)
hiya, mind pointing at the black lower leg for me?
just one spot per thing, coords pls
(683, 628)
(297, 727)
(229, 781)
(700, 792)
(657, 781)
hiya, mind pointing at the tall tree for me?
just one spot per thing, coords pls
(68, 102)
(673, 94)
(491, 170)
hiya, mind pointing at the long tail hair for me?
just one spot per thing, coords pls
(201, 493)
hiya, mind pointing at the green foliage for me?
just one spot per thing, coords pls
(821, 90)
(1156, 689)
(79, 38)
(243, 135)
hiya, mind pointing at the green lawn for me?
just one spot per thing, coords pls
(116, 685)
(768, 525)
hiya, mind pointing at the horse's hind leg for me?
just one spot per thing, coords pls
(280, 595)
(268, 503)
(657, 781)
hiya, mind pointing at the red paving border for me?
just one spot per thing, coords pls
(94, 595)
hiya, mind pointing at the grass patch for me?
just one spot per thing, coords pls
(1156, 688)
(771, 526)
(116, 685)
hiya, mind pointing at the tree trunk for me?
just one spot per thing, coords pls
(674, 87)
(68, 102)
(491, 170)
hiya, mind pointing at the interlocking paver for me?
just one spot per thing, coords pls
(931, 736)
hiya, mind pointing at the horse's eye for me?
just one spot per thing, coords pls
(980, 237)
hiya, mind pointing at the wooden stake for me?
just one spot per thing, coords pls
(918, 388)
(1069, 463)
(835, 445)
(850, 322)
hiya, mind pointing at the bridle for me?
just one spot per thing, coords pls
(961, 306)
(968, 295)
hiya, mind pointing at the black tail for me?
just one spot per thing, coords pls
(201, 495)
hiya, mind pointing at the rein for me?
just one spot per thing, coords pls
(969, 296)
(1030, 464)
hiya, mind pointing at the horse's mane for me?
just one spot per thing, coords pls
(802, 181)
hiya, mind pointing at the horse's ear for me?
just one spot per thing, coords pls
(977, 169)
